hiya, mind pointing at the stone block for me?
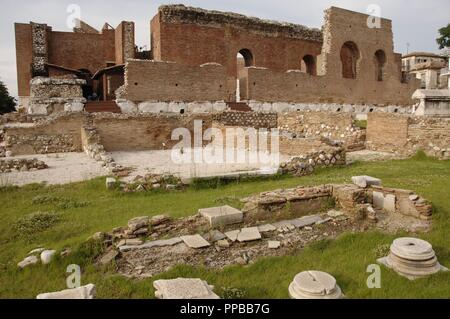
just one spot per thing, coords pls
(366, 181)
(152, 244)
(47, 256)
(378, 200)
(232, 235)
(249, 234)
(184, 288)
(389, 203)
(110, 183)
(195, 241)
(221, 216)
(85, 292)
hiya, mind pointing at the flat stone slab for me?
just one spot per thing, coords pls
(222, 216)
(266, 228)
(85, 292)
(284, 224)
(183, 288)
(195, 241)
(305, 221)
(249, 234)
(365, 181)
(314, 285)
(232, 235)
(152, 244)
(28, 261)
(214, 235)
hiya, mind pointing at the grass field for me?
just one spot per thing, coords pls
(76, 211)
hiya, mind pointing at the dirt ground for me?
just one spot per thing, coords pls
(63, 168)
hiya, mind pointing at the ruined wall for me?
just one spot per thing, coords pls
(51, 95)
(57, 134)
(266, 85)
(195, 36)
(24, 57)
(37, 44)
(406, 135)
(332, 125)
(82, 50)
(247, 119)
(165, 81)
(124, 42)
(143, 132)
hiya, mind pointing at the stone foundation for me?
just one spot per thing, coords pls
(21, 165)
(55, 95)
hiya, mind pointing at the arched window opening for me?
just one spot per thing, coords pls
(380, 61)
(349, 60)
(309, 65)
(244, 59)
(247, 55)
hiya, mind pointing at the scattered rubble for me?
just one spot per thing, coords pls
(21, 165)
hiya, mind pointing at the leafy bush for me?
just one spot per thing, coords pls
(30, 225)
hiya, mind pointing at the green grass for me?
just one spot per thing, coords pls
(85, 208)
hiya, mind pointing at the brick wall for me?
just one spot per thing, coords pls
(406, 135)
(143, 132)
(165, 81)
(194, 36)
(295, 87)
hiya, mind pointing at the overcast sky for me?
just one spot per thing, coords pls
(414, 21)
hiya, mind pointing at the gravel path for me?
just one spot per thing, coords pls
(63, 168)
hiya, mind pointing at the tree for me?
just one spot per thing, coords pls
(444, 39)
(7, 102)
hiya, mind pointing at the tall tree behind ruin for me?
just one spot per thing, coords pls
(444, 39)
(7, 102)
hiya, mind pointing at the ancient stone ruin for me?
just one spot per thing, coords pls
(412, 258)
(314, 285)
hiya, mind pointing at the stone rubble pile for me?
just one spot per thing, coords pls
(306, 164)
(21, 165)
(412, 258)
(314, 285)
(184, 288)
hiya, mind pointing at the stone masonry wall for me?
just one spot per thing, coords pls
(334, 126)
(49, 95)
(406, 135)
(58, 134)
(247, 119)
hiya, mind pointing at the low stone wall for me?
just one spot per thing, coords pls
(335, 126)
(51, 95)
(21, 165)
(352, 199)
(256, 120)
(405, 135)
(359, 110)
(56, 134)
(130, 107)
(306, 164)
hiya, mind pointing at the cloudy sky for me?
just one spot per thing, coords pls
(414, 21)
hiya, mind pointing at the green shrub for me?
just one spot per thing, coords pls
(32, 224)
